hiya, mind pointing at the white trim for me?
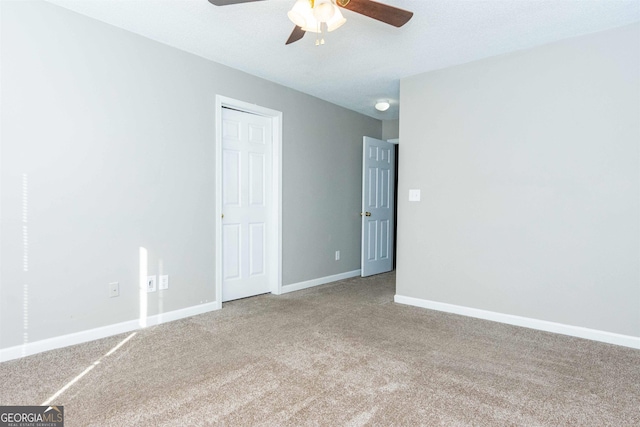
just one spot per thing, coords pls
(275, 246)
(35, 347)
(394, 141)
(542, 325)
(320, 281)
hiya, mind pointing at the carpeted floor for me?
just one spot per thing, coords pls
(334, 355)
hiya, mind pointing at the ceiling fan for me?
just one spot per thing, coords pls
(317, 15)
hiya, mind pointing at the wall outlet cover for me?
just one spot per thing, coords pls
(151, 284)
(114, 289)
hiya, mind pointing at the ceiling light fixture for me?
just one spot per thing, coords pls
(382, 105)
(314, 15)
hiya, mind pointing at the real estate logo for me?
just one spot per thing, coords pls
(31, 416)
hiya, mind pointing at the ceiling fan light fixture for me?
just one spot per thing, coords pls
(301, 14)
(382, 105)
(324, 10)
(316, 15)
(336, 21)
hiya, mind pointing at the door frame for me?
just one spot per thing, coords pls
(275, 213)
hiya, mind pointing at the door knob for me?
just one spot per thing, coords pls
(366, 214)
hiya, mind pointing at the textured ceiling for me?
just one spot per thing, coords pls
(363, 60)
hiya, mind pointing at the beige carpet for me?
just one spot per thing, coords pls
(339, 354)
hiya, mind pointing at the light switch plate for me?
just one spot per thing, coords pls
(414, 195)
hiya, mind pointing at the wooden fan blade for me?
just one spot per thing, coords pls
(228, 2)
(378, 11)
(296, 35)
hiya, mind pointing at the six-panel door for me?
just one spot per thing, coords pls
(246, 194)
(378, 206)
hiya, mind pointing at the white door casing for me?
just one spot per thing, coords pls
(378, 206)
(248, 207)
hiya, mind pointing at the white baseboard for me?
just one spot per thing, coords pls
(543, 325)
(320, 281)
(35, 347)
(102, 332)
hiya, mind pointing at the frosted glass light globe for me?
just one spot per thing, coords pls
(324, 10)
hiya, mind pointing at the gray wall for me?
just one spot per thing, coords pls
(115, 136)
(390, 129)
(529, 169)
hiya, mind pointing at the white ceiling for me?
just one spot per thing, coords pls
(363, 60)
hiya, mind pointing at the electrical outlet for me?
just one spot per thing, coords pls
(414, 195)
(114, 289)
(164, 282)
(151, 283)
(337, 255)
